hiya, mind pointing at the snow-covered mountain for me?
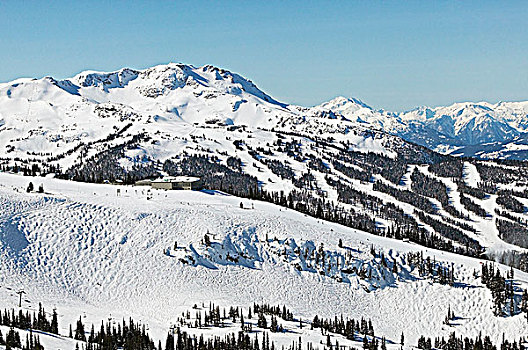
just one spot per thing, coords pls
(54, 122)
(359, 111)
(44, 119)
(481, 130)
(324, 209)
(182, 120)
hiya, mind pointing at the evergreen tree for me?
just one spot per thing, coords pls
(79, 331)
(261, 322)
(54, 323)
(366, 344)
(274, 326)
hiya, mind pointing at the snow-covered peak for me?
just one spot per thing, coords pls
(460, 124)
(466, 123)
(107, 80)
(178, 91)
(221, 75)
(55, 118)
(344, 105)
(162, 79)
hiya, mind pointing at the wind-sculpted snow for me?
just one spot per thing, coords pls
(237, 248)
(356, 268)
(13, 238)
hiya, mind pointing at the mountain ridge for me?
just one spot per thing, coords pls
(449, 129)
(462, 128)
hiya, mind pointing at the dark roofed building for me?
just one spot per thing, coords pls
(178, 183)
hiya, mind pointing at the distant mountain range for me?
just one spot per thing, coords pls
(48, 119)
(483, 130)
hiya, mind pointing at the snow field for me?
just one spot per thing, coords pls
(86, 251)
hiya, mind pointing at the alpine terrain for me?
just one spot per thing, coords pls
(326, 227)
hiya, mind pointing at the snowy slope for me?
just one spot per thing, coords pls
(172, 110)
(58, 122)
(88, 252)
(53, 117)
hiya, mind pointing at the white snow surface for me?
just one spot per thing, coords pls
(85, 250)
(471, 174)
(88, 252)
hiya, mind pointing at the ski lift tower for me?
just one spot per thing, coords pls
(20, 297)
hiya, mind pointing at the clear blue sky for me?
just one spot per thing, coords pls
(391, 54)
